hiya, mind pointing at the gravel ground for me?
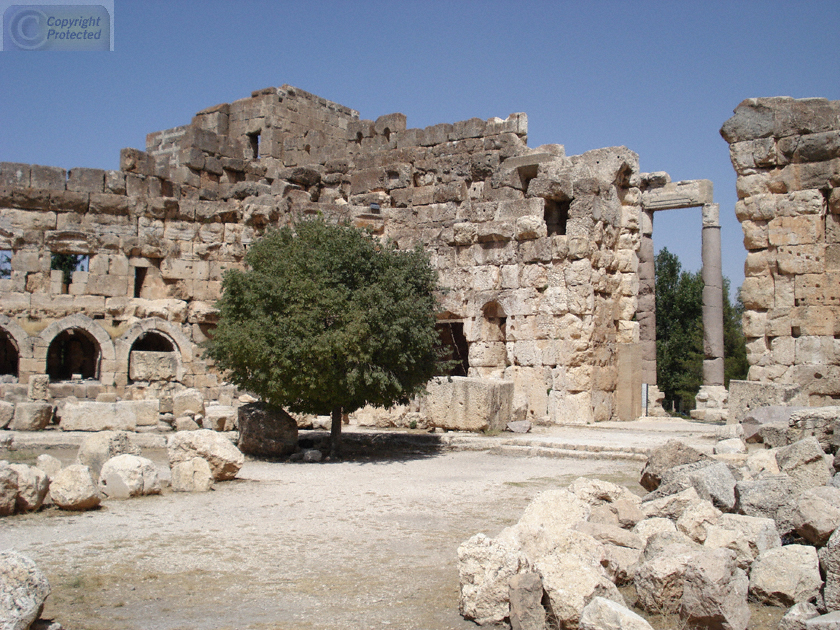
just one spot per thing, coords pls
(369, 543)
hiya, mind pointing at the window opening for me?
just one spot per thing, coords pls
(453, 349)
(5, 264)
(67, 264)
(74, 353)
(153, 342)
(254, 141)
(139, 277)
(556, 216)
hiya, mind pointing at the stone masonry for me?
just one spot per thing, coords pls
(786, 153)
(538, 252)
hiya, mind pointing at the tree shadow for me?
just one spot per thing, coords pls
(371, 447)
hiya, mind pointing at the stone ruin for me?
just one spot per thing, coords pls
(546, 259)
(786, 153)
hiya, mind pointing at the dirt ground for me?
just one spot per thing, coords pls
(367, 543)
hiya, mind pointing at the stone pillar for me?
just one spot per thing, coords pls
(646, 306)
(712, 298)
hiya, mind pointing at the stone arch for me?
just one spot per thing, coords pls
(91, 331)
(182, 346)
(15, 346)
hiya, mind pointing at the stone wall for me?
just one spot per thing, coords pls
(537, 251)
(786, 153)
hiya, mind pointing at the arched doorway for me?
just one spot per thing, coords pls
(9, 355)
(73, 353)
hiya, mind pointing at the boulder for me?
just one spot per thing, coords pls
(49, 464)
(776, 416)
(609, 534)
(672, 453)
(816, 514)
(818, 422)
(715, 483)
(694, 521)
(671, 506)
(33, 485)
(23, 590)
(648, 527)
(224, 458)
(266, 432)
(518, 426)
(31, 416)
(192, 475)
(7, 412)
(597, 492)
(604, 614)
(185, 423)
(830, 562)
(570, 583)
(715, 592)
(525, 593)
(762, 462)
(220, 418)
(676, 479)
(621, 563)
(673, 542)
(75, 489)
(188, 402)
(804, 462)
(829, 621)
(659, 582)
(798, 614)
(98, 448)
(485, 567)
(747, 536)
(127, 476)
(730, 446)
(768, 497)
(8, 489)
(785, 576)
(535, 542)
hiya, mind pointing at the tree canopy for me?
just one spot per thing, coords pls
(326, 319)
(679, 333)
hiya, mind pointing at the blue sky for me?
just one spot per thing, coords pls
(657, 77)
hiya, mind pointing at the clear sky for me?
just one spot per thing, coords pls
(657, 77)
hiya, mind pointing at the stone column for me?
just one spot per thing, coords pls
(646, 306)
(712, 298)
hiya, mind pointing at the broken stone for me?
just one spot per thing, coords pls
(785, 576)
(224, 458)
(74, 489)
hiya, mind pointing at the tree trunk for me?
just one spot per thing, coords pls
(335, 433)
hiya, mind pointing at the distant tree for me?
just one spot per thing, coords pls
(327, 319)
(67, 264)
(679, 332)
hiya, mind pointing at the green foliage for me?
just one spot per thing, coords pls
(67, 264)
(328, 317)
(679, 333)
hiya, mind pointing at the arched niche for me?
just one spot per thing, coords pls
(15, 345)
(153, 349)
(73, 345)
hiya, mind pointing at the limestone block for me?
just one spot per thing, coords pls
(100, 416)
(224, 458)
(73, 488)
(572, 408)
(468, 404)
(570, 582)
(525, 595)
(696, 518)
(7, 412)
(32, 486)
(804, 462)
(263, 431)
(660, 582)
(604, 614)
(31, 416)
(127, 476)
(784, 576)
(24, 586)
(715, 592)
(193, 475)
(672, 453)
(796, 230)
(90, 180)
(817, 514)
(153, 366)
(747, 536)
(8, 489)
(485, 567)
(756, 235)
(801, 259)
(220, 418)
(757, 293)
(98, 448)
(188, 402)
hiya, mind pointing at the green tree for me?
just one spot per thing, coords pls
(679, 332)
(67, 264)
(327, 319)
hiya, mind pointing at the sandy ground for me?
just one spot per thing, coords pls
(352, 545)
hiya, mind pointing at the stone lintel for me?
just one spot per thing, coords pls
(685, 194)
(532, 159)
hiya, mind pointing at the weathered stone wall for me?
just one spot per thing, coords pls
(537, 251)
(786, 153)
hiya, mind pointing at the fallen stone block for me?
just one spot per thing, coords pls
(785, 576)
(32, 416)
(125, 415)
(816, 514)
(798, 614)
(192, 475)
(220, 418)
(127, 476)
(74, 489)
(604, 614)
(97, 449)
(224, 458)
(32, 487)
(673, 453)
(804, 461)
(266, 432)
(525, 592)
(23, 590)
(715, 592)
(468, 404)
(8, 490)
